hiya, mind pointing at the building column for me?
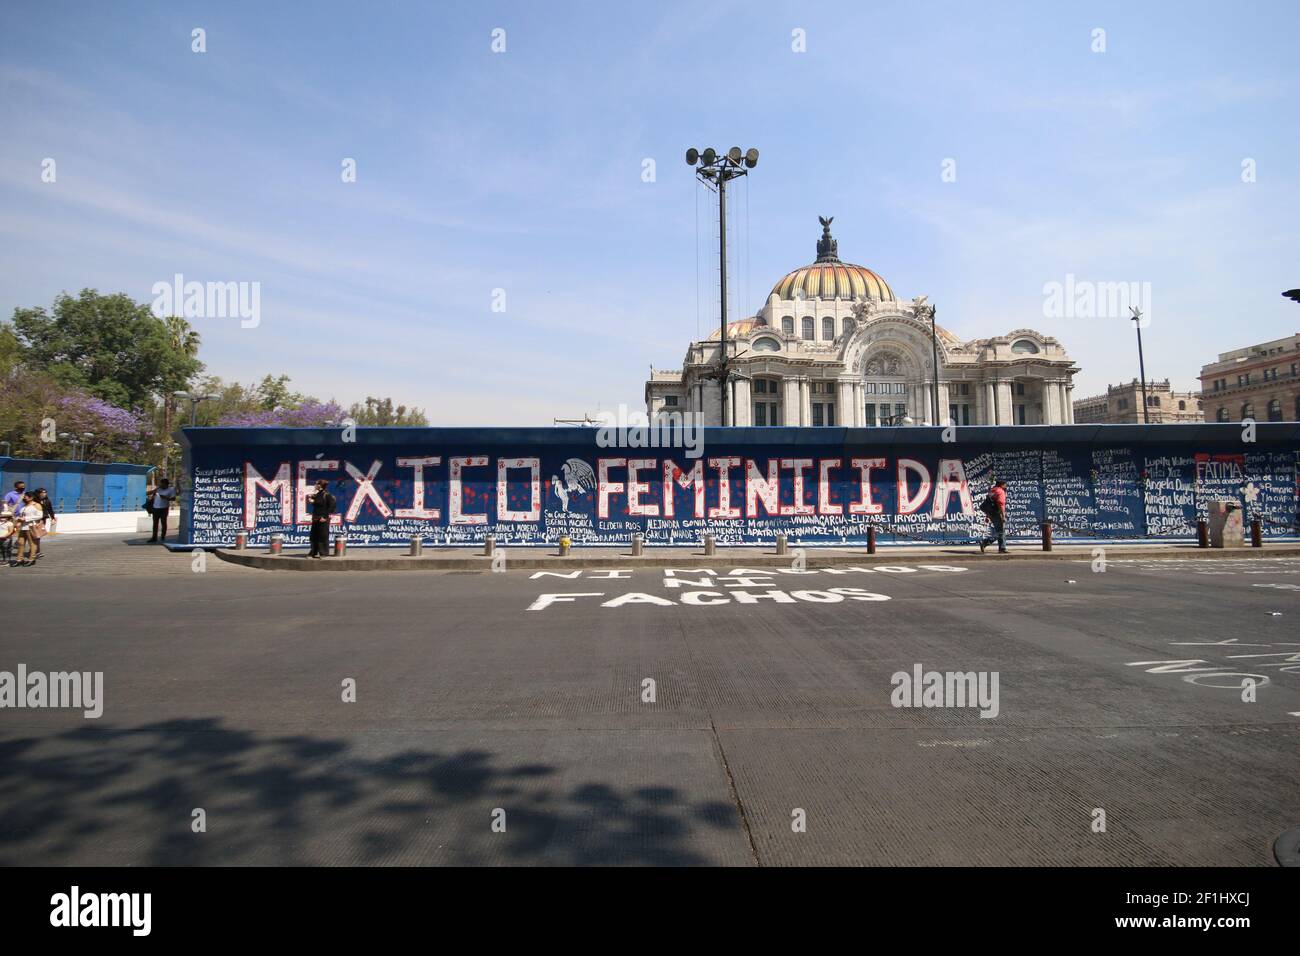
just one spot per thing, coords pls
(805, 402)
(1006, 403)
(844, 402)
(1067, 409)
(791, 402)
(1068, 389)
(742, 408)
(1051, 403)
(991, 403)
(943, 404)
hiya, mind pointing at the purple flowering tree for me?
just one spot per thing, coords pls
(310, 413)
(119, 434)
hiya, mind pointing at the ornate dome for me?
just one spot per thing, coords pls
(828, 277)
(738, 329)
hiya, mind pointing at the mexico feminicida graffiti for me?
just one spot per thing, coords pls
(454, 486)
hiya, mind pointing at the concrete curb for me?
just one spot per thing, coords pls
(527, 560)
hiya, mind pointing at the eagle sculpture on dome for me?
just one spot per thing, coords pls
(828, 250)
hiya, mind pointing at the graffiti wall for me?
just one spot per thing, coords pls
(744, 485)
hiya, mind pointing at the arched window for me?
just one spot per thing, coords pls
(765, 344)
(787, 324)
(1222, 414)
(808, 327)
(1275, 410)
(828, 327)
(1182, 405)
(767, 401)
(1247, 410)
(1024, 347)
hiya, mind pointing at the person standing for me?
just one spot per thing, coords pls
(31, 526)
(995, 506)
(160, 503)
(14, 499)
(322, 508)
(8, 533)
(42, 498)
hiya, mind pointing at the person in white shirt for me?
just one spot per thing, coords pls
(160, 502)
(31, 524)
(8, 532)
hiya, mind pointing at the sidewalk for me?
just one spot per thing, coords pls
(466, 559)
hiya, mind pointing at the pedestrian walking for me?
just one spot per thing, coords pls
(994, 506)
(160, 503)
(322, 507)
(31, 526)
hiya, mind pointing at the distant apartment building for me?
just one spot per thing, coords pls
(1261, 382)
(1122, 404)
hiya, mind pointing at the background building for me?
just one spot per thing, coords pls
(1261, 382)
(833, 345)
(1122, 404)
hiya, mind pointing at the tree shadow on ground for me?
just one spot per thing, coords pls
(125, 795)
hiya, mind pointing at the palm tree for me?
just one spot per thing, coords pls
(184, 340)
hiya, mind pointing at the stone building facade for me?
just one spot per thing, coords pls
(1122, 404)
(833, 345)
(1260, 382)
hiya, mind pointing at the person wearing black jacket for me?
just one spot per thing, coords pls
(47, 507)
(322, 507)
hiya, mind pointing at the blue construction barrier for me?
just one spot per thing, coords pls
(819, 486)
(79, 486)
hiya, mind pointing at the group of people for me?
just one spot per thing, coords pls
(25, 517)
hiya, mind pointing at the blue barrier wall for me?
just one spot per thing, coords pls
(453, 486)
(79, 485)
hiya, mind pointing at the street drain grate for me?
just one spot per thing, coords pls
(1287, 848)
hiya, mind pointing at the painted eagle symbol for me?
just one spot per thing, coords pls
(578, 479)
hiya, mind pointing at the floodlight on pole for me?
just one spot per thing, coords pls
(1142, 367)
(716, 171)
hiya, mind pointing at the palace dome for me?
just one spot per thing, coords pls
(828, 277)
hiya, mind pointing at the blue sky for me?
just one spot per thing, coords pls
(522, 171)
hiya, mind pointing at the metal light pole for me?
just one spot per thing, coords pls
(194, 403)
(715, 170)
(934, 348)
(1142, 368)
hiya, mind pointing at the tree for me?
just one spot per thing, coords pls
(107, 345)
(380, 411)
(183, 341)
(274, 393)
(10, 351)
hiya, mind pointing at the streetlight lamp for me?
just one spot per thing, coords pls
(194, 403)
(1142, 368)
(715, 170)
(934, 350)
(76, 443)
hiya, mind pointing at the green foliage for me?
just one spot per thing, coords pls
(274, 393)
(104, 363)
(380, 411)
(106, 345)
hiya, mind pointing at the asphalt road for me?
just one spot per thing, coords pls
(223, 694)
